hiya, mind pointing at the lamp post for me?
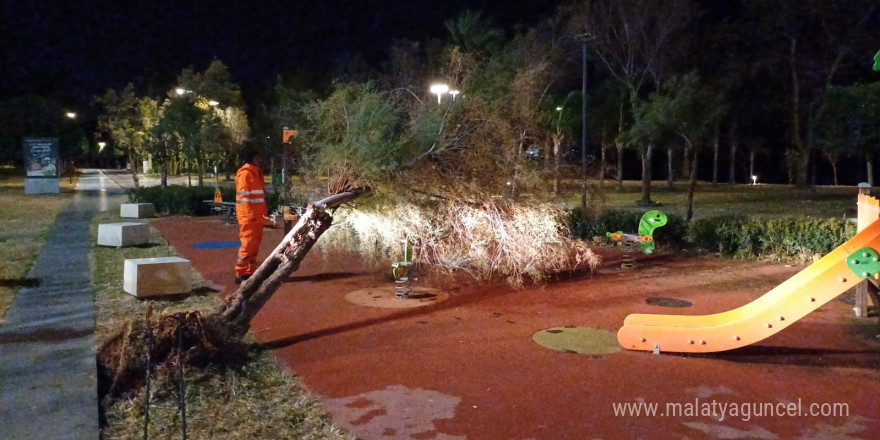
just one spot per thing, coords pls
(584, 125)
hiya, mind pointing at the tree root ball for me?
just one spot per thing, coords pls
(152, 343)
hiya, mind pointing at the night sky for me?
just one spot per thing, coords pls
(74, 50)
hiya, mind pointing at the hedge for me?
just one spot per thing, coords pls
(743, 237)
(732, 236)
(188, 200)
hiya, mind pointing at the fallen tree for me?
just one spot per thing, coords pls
(196, 339)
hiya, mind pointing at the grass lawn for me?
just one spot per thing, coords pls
(259, 400)
(724, 199)
(25, 221)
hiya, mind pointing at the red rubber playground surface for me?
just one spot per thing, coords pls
(467, 367)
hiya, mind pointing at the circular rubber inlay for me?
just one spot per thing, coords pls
(581, 340)
(217, 245)
(384, 297)
(668, 302)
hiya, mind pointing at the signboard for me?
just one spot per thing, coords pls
(287, 134)
(41, 157)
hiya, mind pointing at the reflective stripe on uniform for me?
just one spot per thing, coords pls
(240, 201)
(243, 193)
(257, 191)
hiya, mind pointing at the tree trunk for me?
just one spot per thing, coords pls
(200, 339)
(716, 146)
(869, 163)
(646, 176)
(751, 164)
(692, 187)
(200, 162)
(686, 162)
(132, 158)
(670, 177)
(619, 166)
(557, 158)
(802, 162)
(283, 261)
(602, 160)
(734, 141)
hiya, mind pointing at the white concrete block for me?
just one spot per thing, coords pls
(146, 277)
(123, 234)
(41, 186)
(137, 210)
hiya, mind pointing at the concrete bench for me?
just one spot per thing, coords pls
(146, 277)
(123, 234)
(137, 210)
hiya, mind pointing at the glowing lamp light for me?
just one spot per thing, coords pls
(70, 115)
(754, 180)
(439, 90)
(454, 93)
(213, 103)
(101, 146)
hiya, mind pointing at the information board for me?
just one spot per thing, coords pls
(41, 157)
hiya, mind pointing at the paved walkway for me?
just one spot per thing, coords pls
(48, 380)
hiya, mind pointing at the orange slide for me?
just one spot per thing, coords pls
(806, 291)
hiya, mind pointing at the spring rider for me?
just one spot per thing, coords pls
(650, 221)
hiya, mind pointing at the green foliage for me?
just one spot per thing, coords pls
(742, 237)
(472, 32)
(181, 200)
(733, 236)
(356, 137)
(188, 200)
(847, 119)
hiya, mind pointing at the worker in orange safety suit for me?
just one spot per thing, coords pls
(250, 211)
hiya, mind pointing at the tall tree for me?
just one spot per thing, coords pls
(122, 119)
(847, 124)
(631, 40)
(213, 91)
(812, 41)
(473, 32)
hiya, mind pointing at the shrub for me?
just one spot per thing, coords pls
(188, 200)
(783, 238)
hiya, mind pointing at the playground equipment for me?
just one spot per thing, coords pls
(650, 221)
(401, 271)
(842, 269)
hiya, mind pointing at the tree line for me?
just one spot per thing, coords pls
(777, 87)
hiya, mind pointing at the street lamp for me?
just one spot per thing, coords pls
(754, 180)
(101, 146)
(439, 90)
(70, 115)
(559, 118)
(180, 91)
(213, 103)
(454, 93)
